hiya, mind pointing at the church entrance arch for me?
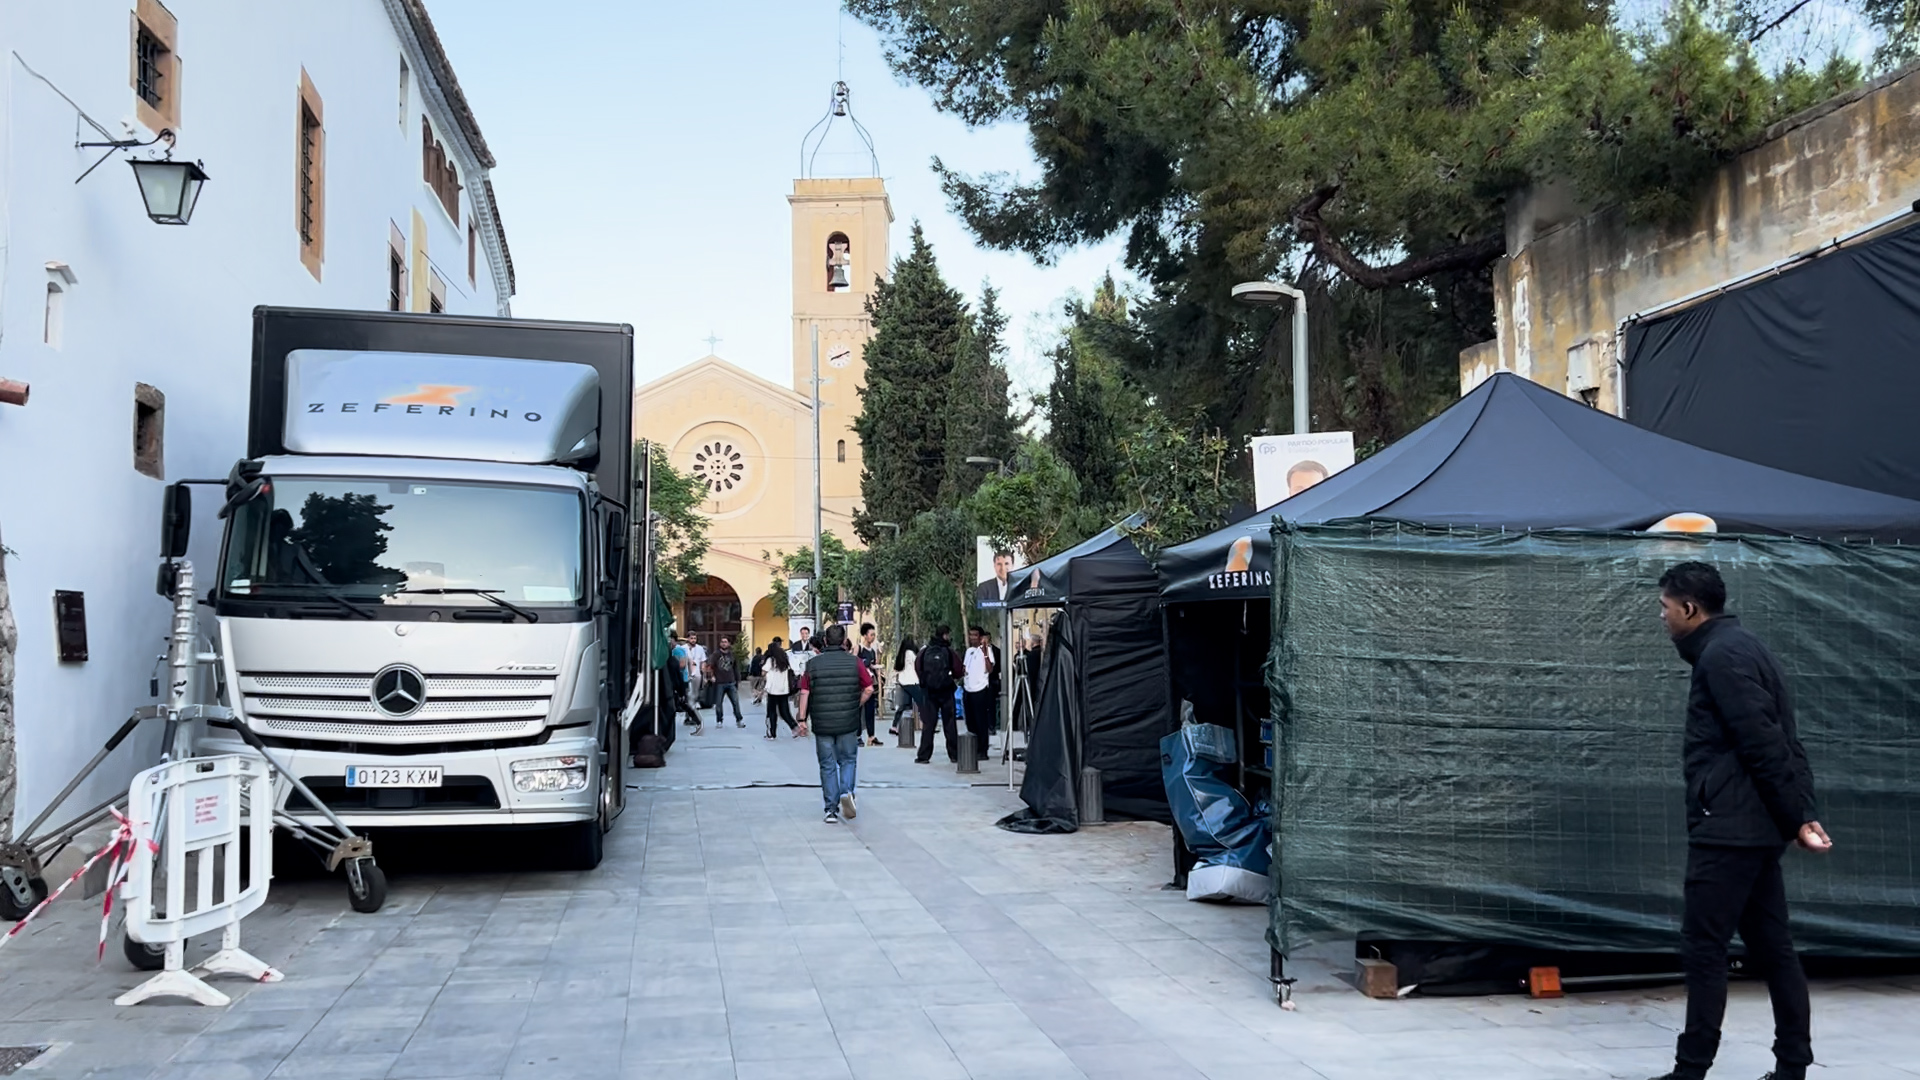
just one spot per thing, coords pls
(713, 612)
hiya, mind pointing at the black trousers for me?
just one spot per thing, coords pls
(779, 707)
(979, 716)
(1728, 889)
(938, 711)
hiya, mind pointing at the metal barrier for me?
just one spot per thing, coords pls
(203, 855)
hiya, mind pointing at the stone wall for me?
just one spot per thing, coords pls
(1572, 275)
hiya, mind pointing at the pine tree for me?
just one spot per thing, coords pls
(920, 326)
(980, 420)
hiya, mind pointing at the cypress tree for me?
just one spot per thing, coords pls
(980, 420)
(920, 326)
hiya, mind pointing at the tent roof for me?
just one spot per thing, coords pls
(1513, 454)
(1103, 564)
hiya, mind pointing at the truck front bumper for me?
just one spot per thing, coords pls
(476, 787)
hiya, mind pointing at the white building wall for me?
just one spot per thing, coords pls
(171, 306)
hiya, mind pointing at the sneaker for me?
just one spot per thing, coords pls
(698, 730)
(922, 761)
(739, 723)
(847, 809)
(833, 818)
(770, 738)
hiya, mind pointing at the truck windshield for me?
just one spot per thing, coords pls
(378, 538)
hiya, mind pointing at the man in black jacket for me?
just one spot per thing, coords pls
(1749, 793)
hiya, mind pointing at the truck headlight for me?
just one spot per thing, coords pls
(550, 774)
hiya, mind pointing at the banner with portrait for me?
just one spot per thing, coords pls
(1286, 465)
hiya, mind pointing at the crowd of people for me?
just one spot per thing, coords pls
(831, 686)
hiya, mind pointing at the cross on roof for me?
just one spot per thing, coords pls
(712, 340)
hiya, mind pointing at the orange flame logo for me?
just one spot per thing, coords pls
(1240, 555)
(432, 394)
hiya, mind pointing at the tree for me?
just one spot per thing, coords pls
(1176, 475)
(842, 570)
(1369, 146)
(1090, 402)
(1039, 509)
(920, 327)
(679, 529)
(979, 408)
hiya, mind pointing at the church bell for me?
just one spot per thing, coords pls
(838, 280)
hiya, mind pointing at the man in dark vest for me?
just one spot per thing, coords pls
(832, 694)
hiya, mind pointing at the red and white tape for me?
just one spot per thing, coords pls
(120, 847)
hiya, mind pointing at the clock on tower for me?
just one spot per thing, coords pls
(840, 356)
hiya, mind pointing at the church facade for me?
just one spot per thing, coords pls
(751, 439)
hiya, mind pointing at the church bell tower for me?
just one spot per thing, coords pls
(840, 225)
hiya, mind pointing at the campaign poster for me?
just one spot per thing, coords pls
(992, 569)
(1286, 465)
(799, 606)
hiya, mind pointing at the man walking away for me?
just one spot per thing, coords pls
(940, 672)
(832, 693)
(1749, 792)
(757, 674)
(726, 685)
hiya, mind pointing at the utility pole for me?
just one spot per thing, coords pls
(816, 480)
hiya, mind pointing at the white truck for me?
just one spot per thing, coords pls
(424, 601)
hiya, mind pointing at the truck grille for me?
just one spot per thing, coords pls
(341, 707)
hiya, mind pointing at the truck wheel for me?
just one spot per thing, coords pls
(369, 894)
(142, 956)
(11, 909)
(586, 843)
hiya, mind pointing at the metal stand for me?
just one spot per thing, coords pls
(969, 753)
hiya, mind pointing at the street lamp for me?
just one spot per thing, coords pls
(1273, 294)
(896, 577)
(169, 188)
(999, 465)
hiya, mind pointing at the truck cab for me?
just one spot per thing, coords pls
(423, 600)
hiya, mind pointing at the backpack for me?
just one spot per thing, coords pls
(936, 668)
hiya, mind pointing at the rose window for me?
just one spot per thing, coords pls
(722, 466)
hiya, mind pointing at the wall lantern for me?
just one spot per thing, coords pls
(169, 188)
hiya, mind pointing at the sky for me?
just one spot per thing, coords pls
(646, 150)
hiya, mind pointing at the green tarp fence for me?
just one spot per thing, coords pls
(1479, 735)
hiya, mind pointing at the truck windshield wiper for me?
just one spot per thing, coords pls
(485, 594)
(350, 606)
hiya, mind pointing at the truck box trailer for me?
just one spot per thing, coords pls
(424, 597)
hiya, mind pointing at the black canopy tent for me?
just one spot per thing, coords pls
(1103, 700)
(1510, 455)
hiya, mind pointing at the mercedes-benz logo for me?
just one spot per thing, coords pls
(399, 690)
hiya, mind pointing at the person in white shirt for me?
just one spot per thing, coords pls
(977, 700)
(781, 684)
(697, 676)
(906, 672)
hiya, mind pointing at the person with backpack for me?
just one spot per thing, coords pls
(940, 672)
(832, 694)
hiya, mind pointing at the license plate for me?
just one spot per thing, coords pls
(418, 776)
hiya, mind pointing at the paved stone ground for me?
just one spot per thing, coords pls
(730, 933)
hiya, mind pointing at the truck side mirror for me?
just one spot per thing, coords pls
(176, 521)
(616, 545)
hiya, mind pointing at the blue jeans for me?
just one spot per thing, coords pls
(838, 756)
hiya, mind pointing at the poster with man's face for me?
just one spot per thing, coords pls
(993, 567)
(1286, 465)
